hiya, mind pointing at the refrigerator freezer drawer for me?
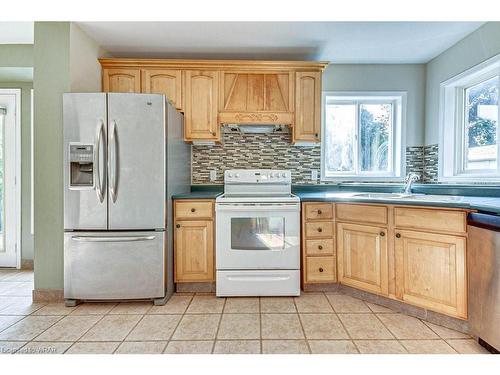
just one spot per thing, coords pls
(258, 283)
(114, 265)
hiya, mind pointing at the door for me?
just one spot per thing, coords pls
(85, 134)
(307, 107)
(431, 271)
(10, 153)
(362, 257)
(136, 161)
(253, 236)
(114, 265)
(200, 105)
(121, 80)
(194, 251)
(163, 81)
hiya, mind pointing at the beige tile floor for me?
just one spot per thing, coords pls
(201, 323)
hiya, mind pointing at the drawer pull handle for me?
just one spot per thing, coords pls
(382, 234)
(193, 209)
(319, 212)
(398, 235)
(178, 226)
(320, 230)
(320, 269)
(320, 247)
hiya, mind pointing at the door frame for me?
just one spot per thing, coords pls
(17, 199)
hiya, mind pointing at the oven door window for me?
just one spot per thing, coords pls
(257, 233)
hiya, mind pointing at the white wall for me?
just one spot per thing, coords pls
(385, 77)
(472, 50)
(85, 70)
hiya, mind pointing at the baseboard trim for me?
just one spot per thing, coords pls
(195, 287)
(27, 264)
(48, 295)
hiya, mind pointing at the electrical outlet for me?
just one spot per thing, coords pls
(213, 174)
(314, 174)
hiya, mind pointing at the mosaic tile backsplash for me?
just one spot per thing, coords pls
(275, 151)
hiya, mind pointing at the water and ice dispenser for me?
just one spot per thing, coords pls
(81, 170)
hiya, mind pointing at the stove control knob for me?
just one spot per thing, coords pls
(237, 175)
(283, 175)
(229, 175)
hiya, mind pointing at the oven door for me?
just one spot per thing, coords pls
(258, 236)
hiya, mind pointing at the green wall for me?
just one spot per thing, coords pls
(16, 55)
(51, 80)
(472, 50)
(27, 237)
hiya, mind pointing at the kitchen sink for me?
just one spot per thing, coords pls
(380, 195)
(414, 197)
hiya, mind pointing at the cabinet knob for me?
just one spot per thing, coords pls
(193, 209)
(214, 134)
(320, 230)
(320, 269)
(398, 235)
(320, 212)
(178, 226)
(316, 135)
(320, 247)
(382, 234)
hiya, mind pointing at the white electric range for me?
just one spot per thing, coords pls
(257, 235)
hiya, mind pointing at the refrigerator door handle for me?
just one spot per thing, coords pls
(112, 239)
(112, 159)
(97, 161)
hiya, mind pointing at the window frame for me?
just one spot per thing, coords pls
(452, 117)
(397, 159)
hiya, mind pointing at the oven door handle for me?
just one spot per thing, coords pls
(258, 208)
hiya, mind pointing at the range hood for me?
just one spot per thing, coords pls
(255, 128)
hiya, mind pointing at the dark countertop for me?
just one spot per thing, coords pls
(483, 204)
(482, 198)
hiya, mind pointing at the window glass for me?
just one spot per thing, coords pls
(375, 128)
(480, 127)
(340, 137)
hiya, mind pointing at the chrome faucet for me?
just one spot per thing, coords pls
(409, 180)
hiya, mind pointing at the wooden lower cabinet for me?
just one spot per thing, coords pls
(194, 240)
(362, 257)
(431, 271)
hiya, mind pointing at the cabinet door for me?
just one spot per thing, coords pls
(121, 80)
(200, 105)
(163, 81)
(431, 271)
(362, 257)
(194, 251)
(307, 125)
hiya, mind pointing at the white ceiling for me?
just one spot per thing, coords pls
(16, 32)
(338, 42)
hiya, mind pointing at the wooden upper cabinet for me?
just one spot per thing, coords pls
(265, 98)
(164, 81)
(362, 257)
(201, 90)
(307, 126)
(431, 271)
(121, 80)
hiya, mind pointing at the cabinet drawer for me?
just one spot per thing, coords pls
(193, 209)
(320, 247)
(430, 219)
(362, 213)
(320, 269)
(314, 211)
(319, 229)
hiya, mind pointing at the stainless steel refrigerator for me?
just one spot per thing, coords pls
(124, 158)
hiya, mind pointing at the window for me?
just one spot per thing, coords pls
(469, 147)
(362, 136)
